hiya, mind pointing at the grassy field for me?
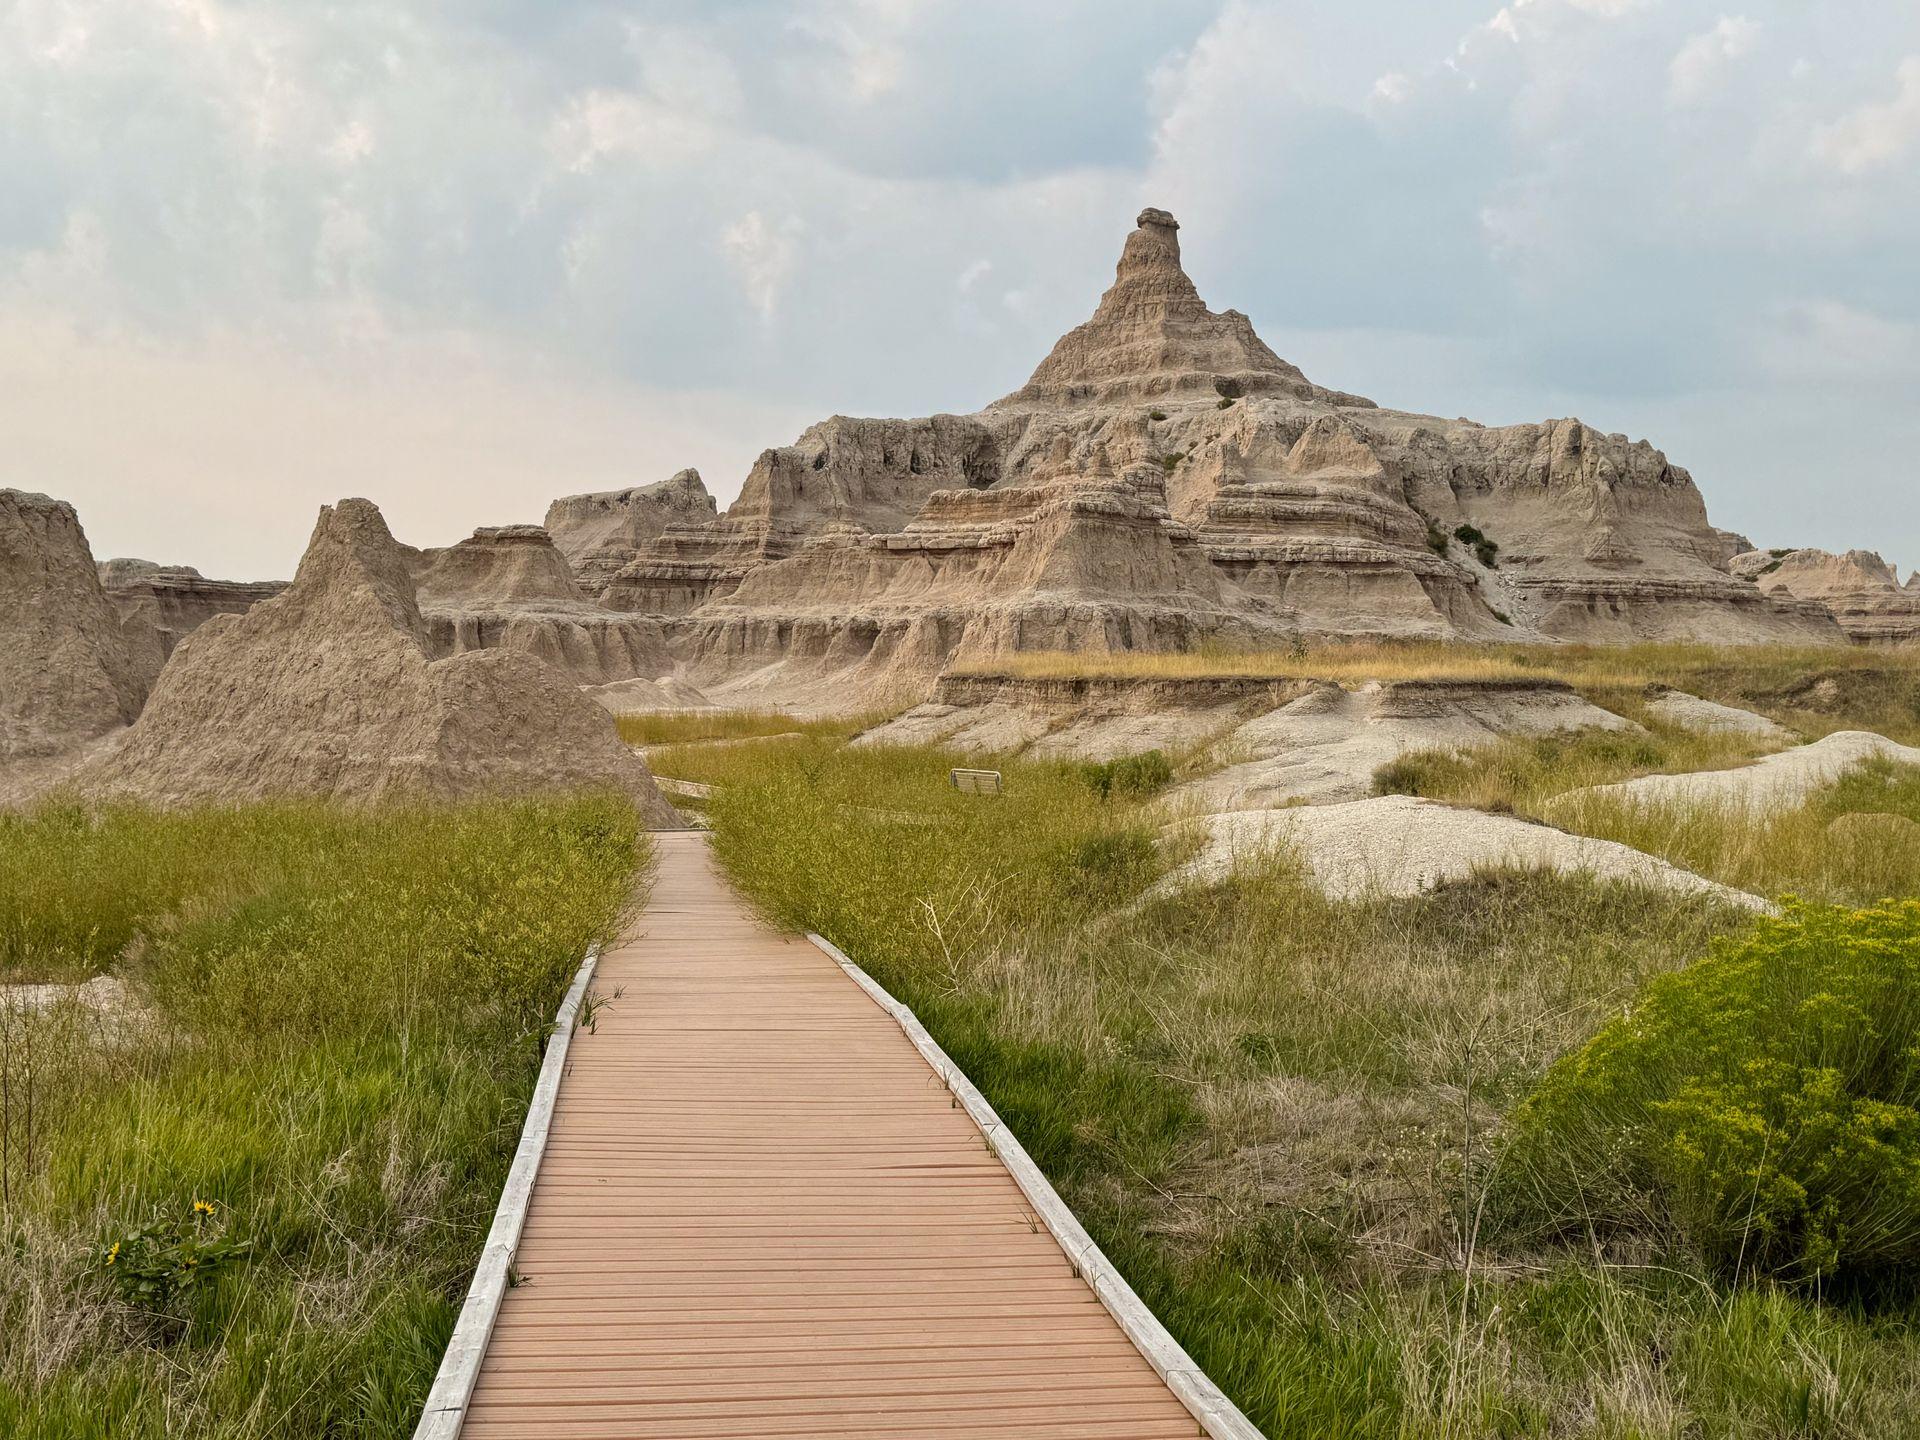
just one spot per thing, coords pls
(244, 1200)
(681, 727)
(1276, 1112)
(1855, 842)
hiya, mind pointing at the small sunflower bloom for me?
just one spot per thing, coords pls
(203, 1207)
(113, 1252)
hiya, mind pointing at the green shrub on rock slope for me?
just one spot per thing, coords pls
(1761, 1108)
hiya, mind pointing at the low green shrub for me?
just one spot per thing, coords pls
(1129, 775)
(1484, 550)
(1758, 1108)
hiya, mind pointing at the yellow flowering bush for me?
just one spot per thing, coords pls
(1761, 1107)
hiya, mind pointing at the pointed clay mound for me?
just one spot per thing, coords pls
(1165, 480)
(327, 690)
(1153, 335)
(65, 674)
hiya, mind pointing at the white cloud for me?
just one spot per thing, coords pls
(763, 253)
(1392, 88)
(617, 124)
(1828, 342)
(1697, 68)
(1876, 134)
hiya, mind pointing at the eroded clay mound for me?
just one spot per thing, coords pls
(328, 690)
(1166, 481)
(1693, 713)
(160, 605)
(1081, 718)
(1776, 782)
(509, 588)
(602, 532)
(1400, 845)
(1859, 589)
(1326, 746)
(65, 674)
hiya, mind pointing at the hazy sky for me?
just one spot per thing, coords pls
(463, 257)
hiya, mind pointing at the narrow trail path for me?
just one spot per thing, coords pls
(761, 1214)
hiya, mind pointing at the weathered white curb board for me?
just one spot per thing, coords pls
(460, 1366)
(1218, 1416)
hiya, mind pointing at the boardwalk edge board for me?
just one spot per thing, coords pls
(1218, 1416)
(446, 1405)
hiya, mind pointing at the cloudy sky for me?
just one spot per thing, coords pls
(464, 255)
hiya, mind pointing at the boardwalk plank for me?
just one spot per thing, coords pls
(761, 1214)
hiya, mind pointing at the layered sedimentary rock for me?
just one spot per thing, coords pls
(842, 477)
(65, 675)
(1859, 589)
(159, 605)
(1164, 480)
(601, 533)
(509, 587)
(329, 689)
(1088, 563)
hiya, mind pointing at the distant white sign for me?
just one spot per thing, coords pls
(975, 782)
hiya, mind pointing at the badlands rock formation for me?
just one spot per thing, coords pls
(509, 587)
(1859, 589)
(328, 689)
(159, 605)
(1164, 480)
(601, 533)
(65, 674)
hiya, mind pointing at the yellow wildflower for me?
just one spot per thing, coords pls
(203, 1207)
(113, 1252)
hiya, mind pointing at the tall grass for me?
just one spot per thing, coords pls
(1270, 1108)
(679, 727)
(1521, 775)
(1853, 842)
(330, 1028)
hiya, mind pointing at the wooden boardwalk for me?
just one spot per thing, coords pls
(761, 1214)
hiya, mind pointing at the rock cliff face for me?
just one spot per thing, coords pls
(159, 605)
(1165, 479)
(1858, 589)
(328, 689)
(65, 674)
(509, 587)
(601, 533)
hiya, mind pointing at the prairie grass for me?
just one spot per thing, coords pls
(1521, 775)
(679, 727)
(1272, 1110)
(330, 1028)
(1854, 842)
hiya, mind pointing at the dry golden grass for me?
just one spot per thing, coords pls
(1610, 666)
(1853, 843)
(1814, 689)
(687, 727)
